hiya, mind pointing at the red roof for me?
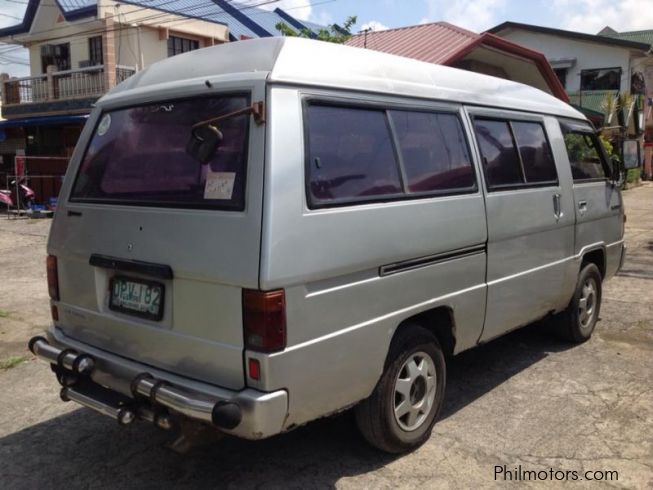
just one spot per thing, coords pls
(444, 44)
(434, 43)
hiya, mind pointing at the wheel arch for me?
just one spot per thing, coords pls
(596, 256)
(440, 321)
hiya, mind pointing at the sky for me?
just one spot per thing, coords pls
(588, 16)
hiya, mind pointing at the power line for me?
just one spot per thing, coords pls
(164, 14)
(101, 30)
(149, 18)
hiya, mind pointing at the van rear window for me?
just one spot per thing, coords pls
(137, 156)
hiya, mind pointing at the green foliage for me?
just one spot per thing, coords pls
(633, 175)
(11, 362)
(580, 148)
(333, 33)
(609, 147)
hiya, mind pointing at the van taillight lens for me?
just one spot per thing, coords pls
(53, 277)
(264, 320)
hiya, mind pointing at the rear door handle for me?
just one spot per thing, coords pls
(582, 206)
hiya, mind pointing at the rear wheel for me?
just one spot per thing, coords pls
(578, 321)
(400, 413)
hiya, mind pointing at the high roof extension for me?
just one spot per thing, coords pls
(244, 21)
(320, 64)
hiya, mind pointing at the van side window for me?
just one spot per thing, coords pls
(434, 152)
(515, 153)
(351, 155)
(584, 153)
(500, 156)
(363, 154)
(535, 152)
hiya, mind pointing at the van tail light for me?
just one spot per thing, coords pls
(264, 320)
(53, 277)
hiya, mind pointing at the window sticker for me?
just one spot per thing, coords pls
(219, 185)
(104, 125)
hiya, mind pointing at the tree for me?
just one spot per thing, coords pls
(333, 33)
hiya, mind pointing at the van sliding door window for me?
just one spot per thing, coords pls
(137, 156)
(515, 153)
(500, 158)
(365, 154)
(535, 152)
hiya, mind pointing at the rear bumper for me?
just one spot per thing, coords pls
(127, 390)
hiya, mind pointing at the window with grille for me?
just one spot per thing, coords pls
(178, 45)
(95, 50)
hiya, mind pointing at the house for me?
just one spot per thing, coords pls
(596, 68)
(447, 44)
(79, 49)
(645, 67)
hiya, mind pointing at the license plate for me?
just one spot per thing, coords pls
(137, 297)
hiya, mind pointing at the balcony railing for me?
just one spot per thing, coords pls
(61, 85)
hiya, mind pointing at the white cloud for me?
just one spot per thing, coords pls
(297, 8)
(476, 15)
(13, 59)
(12, 13)
(322, 18)
(374, 25)
(593, 15)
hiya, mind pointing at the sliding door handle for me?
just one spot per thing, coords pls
(557, 207)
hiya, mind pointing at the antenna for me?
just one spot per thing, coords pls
(365, 31)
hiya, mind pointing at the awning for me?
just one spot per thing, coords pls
(43, 121)
(562, 63)
(597, 118)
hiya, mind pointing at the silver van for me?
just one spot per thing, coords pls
(259, 234)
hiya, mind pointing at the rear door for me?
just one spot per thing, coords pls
(154, 247)
(598, 205)
(529, 216)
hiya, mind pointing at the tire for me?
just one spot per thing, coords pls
(578, 321)
(413, 383)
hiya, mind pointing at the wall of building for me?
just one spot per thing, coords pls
(153, 42)
(588, 55)
(49, 27)
(128, 14)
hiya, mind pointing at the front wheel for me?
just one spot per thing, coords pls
(401, 412)
(578, 321)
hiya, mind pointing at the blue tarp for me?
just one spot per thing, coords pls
(43, 121)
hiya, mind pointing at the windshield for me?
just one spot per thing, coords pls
(137, 156)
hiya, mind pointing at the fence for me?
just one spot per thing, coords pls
(43, 175)
(60, 85)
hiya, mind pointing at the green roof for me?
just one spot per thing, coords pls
(644, 37)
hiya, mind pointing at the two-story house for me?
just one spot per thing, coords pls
(79, 49)
(594, 69)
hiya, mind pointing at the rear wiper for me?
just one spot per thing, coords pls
(205, 137)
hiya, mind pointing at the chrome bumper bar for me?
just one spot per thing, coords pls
(150, 395)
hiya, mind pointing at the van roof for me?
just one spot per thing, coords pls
(321, 64)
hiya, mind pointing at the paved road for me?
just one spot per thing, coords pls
(525, 399)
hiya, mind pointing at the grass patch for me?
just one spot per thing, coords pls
(3, 313)
(11, 362)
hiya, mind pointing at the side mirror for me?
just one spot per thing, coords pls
(618, 174)
(204, 142)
